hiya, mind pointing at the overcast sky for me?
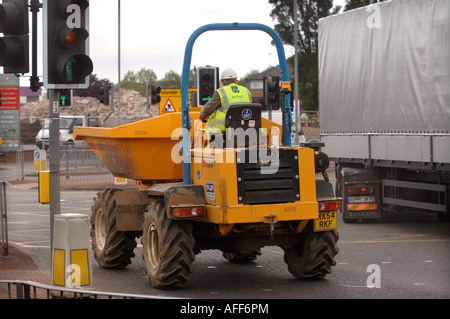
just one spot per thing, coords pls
(154, 35)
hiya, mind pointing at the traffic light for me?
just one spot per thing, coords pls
(155, 90)
(104, 95)
(65, 98)
(66, 44)
(207, 83)
(273, 83)
(14, 47)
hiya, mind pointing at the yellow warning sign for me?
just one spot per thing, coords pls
(168, 107)
(171, 101)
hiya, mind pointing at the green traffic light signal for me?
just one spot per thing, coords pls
(207, 83)
(65, 98)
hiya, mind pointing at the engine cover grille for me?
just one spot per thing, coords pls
(267, 176)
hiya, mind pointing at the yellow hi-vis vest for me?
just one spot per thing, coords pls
(232, 93)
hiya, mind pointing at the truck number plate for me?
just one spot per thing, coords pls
(361, 199)
(326, 221)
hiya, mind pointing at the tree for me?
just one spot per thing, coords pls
(243, 81)
(310, 11)
(137, 80)
(353, 4)
(94, 87)
(171, 80)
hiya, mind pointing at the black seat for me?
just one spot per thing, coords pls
(245, 116)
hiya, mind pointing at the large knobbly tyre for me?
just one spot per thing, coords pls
(314, 257)
(112, 248)
(168, 248)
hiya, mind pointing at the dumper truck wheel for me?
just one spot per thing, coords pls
(168, 248)
(314, 257)
(112, 248)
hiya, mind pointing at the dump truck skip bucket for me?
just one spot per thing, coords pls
(141, 150)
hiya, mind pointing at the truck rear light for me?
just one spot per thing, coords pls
(329, 205)
(360, 190)
(196, 211)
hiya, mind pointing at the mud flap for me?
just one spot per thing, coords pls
(179, 194)
(130, 207)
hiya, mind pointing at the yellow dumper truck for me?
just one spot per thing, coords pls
(195, 193)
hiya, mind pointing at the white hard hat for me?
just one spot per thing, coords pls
(228, 74)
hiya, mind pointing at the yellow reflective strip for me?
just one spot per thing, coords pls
(80, 259)
(361, 207)
(59, 267)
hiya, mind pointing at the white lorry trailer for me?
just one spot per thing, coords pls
(384, 83)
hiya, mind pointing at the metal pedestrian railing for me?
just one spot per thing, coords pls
(75, 163)
(19, 289)
(4, 219)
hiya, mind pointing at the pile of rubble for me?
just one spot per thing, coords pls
(133, 106)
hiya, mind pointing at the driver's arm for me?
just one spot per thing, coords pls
(210, 107)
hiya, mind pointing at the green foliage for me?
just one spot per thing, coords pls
(353, 4)
(137, 80)
(94, 87)
(171, 80)
(309, 13)
(243, 80)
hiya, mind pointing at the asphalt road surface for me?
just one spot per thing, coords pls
(404, 255)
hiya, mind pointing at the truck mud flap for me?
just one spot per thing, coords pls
(130, 207)
(361, 192)
(178, 195)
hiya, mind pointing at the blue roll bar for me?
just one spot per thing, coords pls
(186, 120)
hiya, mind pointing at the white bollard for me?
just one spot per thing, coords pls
(71, 256)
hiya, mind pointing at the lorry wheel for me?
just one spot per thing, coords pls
(168, 248)
(242, 258)
(112, 248)
(314, 257)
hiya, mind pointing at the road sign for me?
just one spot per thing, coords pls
(171, 101)
(9, 112)
(168, 107)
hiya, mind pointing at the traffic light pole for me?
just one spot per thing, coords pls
(35, 7)
(53, 112)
